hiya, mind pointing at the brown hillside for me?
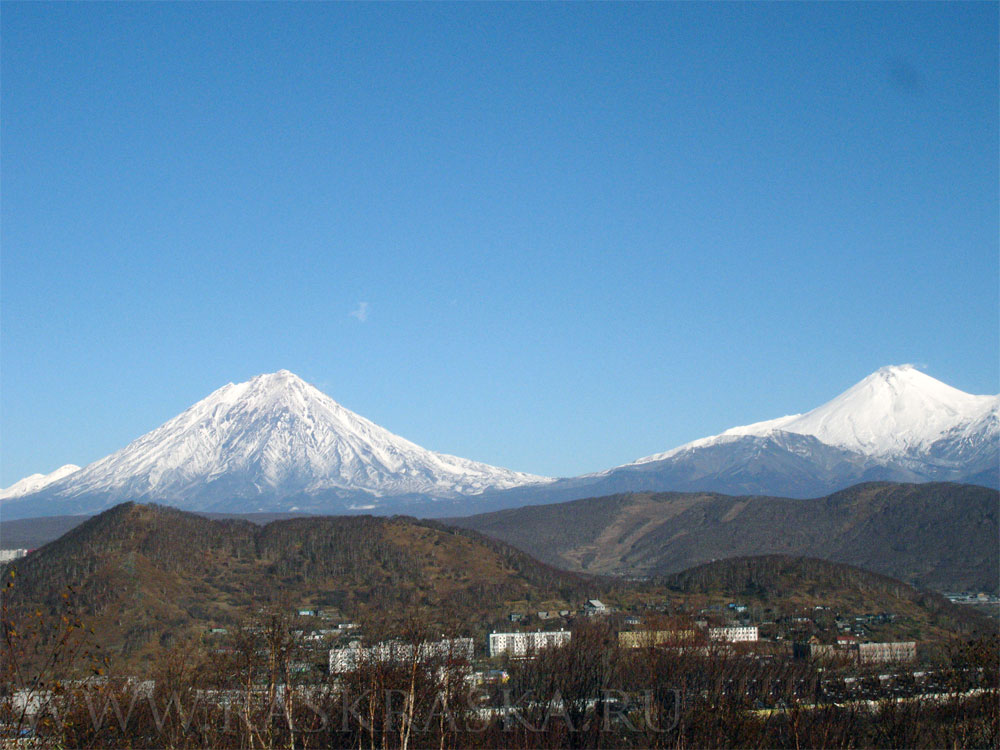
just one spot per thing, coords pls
(149, 576)
(938, 536)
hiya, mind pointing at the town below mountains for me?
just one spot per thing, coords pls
(148, 577)
(150, 626)
(264, 546)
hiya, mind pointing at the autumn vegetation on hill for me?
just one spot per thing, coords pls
(938, 536)
(149, 577)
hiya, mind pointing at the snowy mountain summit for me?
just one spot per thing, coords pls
(895, 412)
(272, 443)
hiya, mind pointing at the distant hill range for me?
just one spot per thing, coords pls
(277, 444)
(149, 577)
(940, 536)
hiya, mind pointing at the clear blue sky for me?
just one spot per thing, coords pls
(582, 233)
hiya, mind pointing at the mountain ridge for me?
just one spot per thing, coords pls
(275, 443)
(35, 482)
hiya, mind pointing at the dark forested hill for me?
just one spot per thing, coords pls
(29, 533)
(147, 576)
(940, 536)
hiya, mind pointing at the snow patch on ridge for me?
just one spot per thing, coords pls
(35, 482)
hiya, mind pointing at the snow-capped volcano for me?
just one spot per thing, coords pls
(276, 443)
(894, 412)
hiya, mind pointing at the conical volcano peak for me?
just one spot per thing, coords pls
(281, 390)
(900, 375)
(904, 388)
(891, 412)
(271, 437)
(890, 370)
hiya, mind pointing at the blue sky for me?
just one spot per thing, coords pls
(580, 234)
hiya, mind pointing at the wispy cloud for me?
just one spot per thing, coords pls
(361, 312)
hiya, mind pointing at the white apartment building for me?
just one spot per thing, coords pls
(524, 644)
(6, 555)
(734, 634)
(348, 658)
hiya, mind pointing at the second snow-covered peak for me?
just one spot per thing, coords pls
(894, 411)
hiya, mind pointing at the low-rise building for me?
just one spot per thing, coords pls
(873, 653)
(649, 638)
(595, 607)
(863, 653)
(526, 644)
(734, 634)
